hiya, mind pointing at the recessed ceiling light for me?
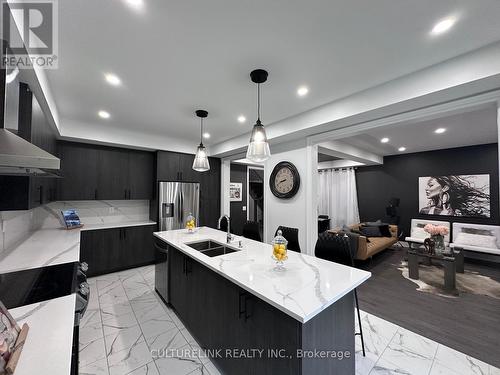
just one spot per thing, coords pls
(206, 135)
(302, 91)
(135, 3)
(103, 114)
(401, 149)
(439, 130)
(242, 119)
(443, 25)
(112, 79)
(384, 140)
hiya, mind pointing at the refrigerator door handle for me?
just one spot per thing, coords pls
(182, 206)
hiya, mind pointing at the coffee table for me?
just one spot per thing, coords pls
(452, 261)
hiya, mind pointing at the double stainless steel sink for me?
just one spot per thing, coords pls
(211, 248)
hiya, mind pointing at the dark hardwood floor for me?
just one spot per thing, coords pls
(470, 323)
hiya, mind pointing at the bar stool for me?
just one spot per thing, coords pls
(336, 248)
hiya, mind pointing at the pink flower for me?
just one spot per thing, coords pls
(436, 230)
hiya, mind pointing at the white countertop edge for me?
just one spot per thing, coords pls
(122, 224)
(301, 319)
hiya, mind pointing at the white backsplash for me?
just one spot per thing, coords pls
(16, 225)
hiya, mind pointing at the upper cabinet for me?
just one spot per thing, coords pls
(141, 171)
(175, 166)
(79, 170)
(106, 173)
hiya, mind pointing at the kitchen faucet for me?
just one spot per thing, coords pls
(229, 236)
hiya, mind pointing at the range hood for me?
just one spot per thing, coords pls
(19, 157)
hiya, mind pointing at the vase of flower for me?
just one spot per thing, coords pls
(437, 233)
(439, 247)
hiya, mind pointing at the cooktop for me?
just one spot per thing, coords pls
(21, 288)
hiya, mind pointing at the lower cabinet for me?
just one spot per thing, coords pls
(115, 249)
(223, 316)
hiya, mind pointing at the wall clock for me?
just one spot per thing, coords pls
(285, 180)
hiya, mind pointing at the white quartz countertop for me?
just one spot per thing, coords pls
(307, 286)
(52, 245)
(47, 349)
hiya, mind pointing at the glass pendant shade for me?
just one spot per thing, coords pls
(200, 163)
(258, 148)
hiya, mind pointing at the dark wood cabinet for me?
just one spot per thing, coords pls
(79, 169)
(176, 166)
(112, 174)
(179, 282)
(106, 173)
(115, 249)
(100, 249)
(141, 168)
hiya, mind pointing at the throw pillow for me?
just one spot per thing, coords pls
(478, 240)
(384, 227)
(484, 232)
(371, 232)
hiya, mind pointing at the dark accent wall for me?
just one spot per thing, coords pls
(238, 216)
(398, 177)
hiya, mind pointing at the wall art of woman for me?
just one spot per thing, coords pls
(456, 196)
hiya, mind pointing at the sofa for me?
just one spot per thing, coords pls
(418, 235)
(477, 239)
(369, 246)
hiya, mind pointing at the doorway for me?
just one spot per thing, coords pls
(255, 198)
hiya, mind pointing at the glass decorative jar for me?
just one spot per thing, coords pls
(279, 250)
(190, 223)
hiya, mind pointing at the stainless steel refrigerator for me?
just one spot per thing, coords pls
(176, 201)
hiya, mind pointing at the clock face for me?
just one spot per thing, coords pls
(284, 180)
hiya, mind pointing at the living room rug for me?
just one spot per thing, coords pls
(431, 279)
(469, 322)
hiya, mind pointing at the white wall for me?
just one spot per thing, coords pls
(299, 211)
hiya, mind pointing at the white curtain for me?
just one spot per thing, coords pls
(338, 196)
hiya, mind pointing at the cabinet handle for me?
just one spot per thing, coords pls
(243, 306)
(95, 194)
(40, 192)
(184, 265)
(124, 233)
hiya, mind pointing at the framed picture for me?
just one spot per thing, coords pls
(9, 332)
(456, 195)
(235, 191)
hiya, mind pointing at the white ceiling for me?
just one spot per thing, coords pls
(178, 56)
(465, 129)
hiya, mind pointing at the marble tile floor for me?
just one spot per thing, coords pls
(126, 322)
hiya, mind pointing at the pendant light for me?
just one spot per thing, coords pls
(258, 148)
(200, 163)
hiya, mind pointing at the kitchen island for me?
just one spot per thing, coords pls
(253, 319)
